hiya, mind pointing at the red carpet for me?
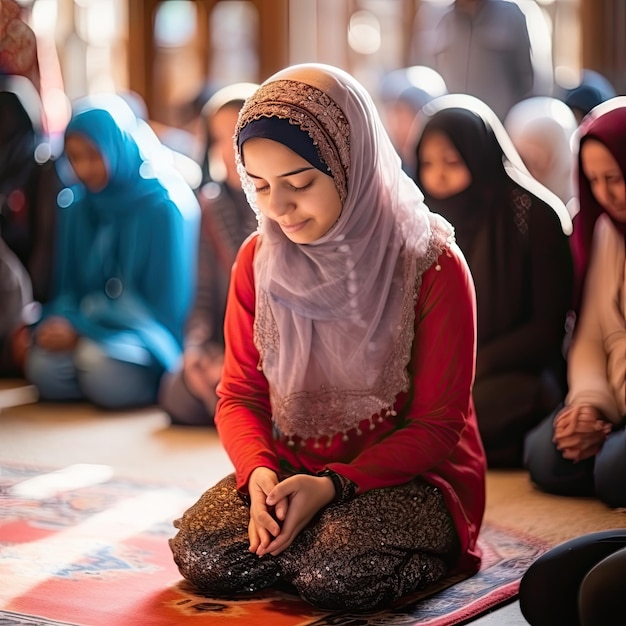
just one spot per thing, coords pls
(79, 547)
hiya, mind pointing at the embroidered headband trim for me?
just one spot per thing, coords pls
(314, 112)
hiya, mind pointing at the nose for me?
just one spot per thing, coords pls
(78, 167)
(279, 204)
(612, 192)
(440, 174)
(602, 193)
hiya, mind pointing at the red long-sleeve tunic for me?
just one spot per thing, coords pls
(434, 434)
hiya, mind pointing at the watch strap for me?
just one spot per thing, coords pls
(345, 489)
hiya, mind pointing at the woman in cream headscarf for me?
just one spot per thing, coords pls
(345, 402)
(541, 128)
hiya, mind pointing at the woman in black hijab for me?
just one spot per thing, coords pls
(513, 233)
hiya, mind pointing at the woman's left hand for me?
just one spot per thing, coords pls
(306, 496)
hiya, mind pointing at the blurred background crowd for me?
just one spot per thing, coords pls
(174, 53)
(122, 211)
(95, 93)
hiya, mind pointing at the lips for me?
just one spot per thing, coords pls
(293, 227)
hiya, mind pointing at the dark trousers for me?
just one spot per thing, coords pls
(603, 476)
(510, 404)
(578, 583)
(183, 408)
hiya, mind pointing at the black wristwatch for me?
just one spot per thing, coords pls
(344, 488)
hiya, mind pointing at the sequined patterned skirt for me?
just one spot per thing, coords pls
(358, 555)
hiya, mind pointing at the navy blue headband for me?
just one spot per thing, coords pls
(290, 135)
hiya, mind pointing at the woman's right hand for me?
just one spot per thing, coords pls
(56, 334)
(263, 526)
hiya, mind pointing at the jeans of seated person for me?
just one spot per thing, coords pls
(603, 475)
(87, 373)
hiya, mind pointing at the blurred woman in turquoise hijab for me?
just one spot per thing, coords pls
(125, 272)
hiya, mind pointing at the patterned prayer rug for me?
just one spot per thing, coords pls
(81, 547)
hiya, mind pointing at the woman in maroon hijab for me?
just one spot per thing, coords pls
(580, 450)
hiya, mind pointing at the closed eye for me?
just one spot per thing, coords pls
(303, 188)
(266, 188)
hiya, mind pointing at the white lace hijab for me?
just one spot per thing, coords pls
(334, 320)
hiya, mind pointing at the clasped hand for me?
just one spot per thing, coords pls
(202, 372)
(56, 334)
(280, 510)
(580, 432)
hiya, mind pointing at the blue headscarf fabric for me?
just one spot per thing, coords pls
(126, 266)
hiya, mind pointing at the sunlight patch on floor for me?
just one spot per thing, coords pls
(24, 566)
(66, 479)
